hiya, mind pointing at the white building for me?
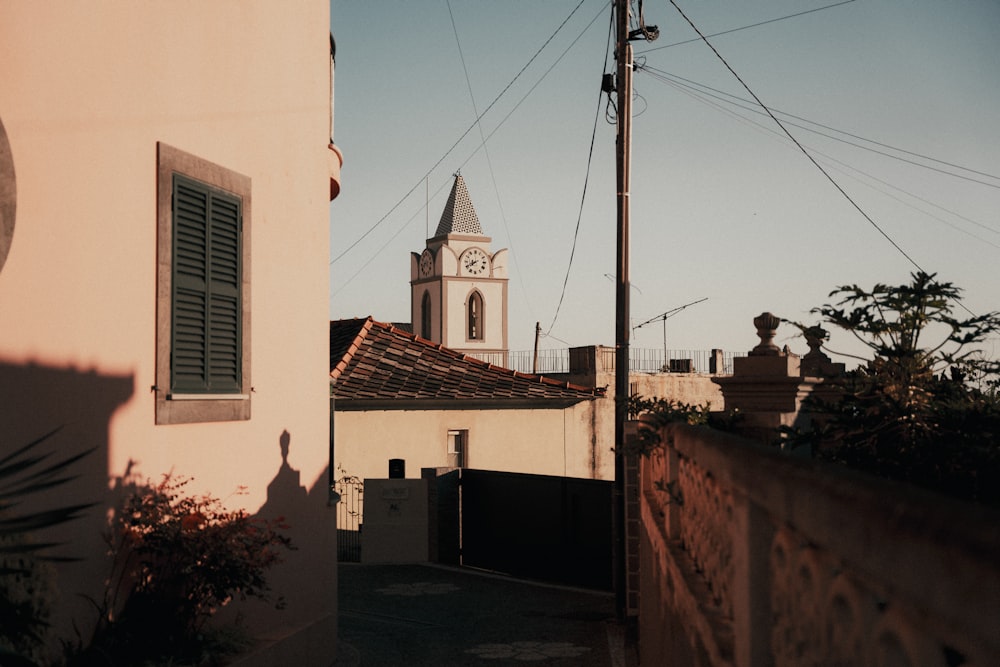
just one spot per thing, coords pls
(458, 286)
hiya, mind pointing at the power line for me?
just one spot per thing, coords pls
(586, 180)
(676, 80)
(511, 83)
(702, 97)
(489, 161)
(805, 152)
(907, 204)
(459, 140)
(470, 156)
(754, 25)
(345, 283)
(796, 142)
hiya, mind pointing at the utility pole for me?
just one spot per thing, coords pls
(538, 333)
(623, 152)
(623, 55)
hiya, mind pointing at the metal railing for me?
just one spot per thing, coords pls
(640, 360)
(350, 517)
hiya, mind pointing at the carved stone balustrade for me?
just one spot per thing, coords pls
(750, 557)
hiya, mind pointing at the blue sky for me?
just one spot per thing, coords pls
(723, 208)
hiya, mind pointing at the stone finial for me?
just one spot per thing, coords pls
(767, 326)
(816, 362)
(815, 337)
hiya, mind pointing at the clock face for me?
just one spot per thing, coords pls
(475, 262)
(426, 263)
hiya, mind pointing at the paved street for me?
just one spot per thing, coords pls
(427, 615)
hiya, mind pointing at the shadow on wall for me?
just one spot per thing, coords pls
(35, 399)
(307, 577)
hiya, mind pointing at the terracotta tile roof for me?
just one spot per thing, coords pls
(371, 360)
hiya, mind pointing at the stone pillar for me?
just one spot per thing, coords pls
(717, 362)
(768, 385)
(752, 534)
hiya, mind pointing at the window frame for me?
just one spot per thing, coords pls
(460, 453)
(426, 316)
(175, 407)
(473, 317)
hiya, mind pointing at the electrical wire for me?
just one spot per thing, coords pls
(464, 134)
(345, 283)
(537, 83)
(489, 136)
(610, 117)
(489, 161)
(701, 97)
(808, 155)
(746, 27)
(796, 142)
(677, 79)
(586, 180)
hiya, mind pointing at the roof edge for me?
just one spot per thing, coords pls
(352, 348)
(541, 379)
(388, 404)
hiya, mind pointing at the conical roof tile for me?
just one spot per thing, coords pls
(459, 216)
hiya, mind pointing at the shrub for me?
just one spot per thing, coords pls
(176, 559)
(26, 577)
(26, 589)
(654, 413)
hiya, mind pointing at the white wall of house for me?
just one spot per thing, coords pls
(542, 442)
(89, 89)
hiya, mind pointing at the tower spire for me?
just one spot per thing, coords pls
(459, 216)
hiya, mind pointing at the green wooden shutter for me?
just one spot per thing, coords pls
(224, 339)
(206, 348)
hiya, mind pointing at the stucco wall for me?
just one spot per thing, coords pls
(432, 288)
(88, 90)
(543, 442)
(456, 295)
(691, 388)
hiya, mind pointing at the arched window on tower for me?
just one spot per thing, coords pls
(425, 316)
(476, 317)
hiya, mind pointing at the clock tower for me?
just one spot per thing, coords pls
(458, 288)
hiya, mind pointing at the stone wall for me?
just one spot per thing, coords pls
(750, 557)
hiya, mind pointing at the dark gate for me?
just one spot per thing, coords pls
(556, 529)
(444, 525)
(350, 510)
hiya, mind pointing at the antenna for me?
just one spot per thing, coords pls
(664, 317)
(669, 313)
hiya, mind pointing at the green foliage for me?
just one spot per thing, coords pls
(924, 409)
(662, 411)
(26, 589)
(26, 578)
(655, 413)
(177, 559)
